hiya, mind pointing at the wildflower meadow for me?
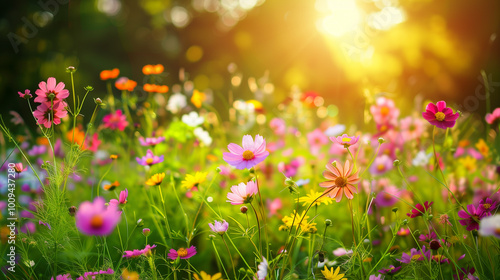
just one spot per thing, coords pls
(135, 176)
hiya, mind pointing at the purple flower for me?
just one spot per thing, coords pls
(153, 141)
(94, 218)
(91, 275)
(219, 227)
(149, 159)
(415, 255)
(427, 237)
(45, 224)
(420, 210)
(487, 205)
(440, 115)
(471, 219)
(381, 165)
(247, 156)
(182, 253)
(136, 253)
(62, 277)
(391, 270)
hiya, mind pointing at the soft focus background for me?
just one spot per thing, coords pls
(344, 50)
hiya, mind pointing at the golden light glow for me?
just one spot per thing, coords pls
(342, 16)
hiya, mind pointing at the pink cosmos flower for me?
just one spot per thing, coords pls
(136, 253)
(471, 219)
(247, 156)
(273, 206)
(381, 165)
(420, 210)
(411, 128)
(116, 120)
(440, 115)
(153, 141)
(384, 111)
(340, 251)
(242, 193)
(94, 218)
(278, 126)
(345, 140)
(290, 169)
(491, 118)
(47, 116)
(18, 167)
(149, 159)
(49, 91)
(415, 255)
(316, 140)
(26, 94)
(182, 253)
(62, 277)
(219, 227)
(388, 197)
(487, 205)
(122, 199)
(93, 143)
(340, 180)
(92, 275)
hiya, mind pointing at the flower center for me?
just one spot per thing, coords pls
(149, 161)
(341, 182)
(384, 111)
(380, 167)
(182, 252)
(345, 139)
(486, 206)
(440, 116)
(497, 231)
(96, 222)
(248, 155)
(416, 257)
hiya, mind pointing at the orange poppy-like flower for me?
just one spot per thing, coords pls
(124, 83)
(109, 74)
(257, 105)
(155, 88)
(77, 137)
(198, 98)
(340, 180)
(152, 69)
(111, 186)
(156, 179)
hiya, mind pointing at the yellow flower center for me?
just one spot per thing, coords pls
(149, 161)
(486, 206)
(416, 257)
(380, 167)
(497, 231)
(440, 116)
(384, 111)
(345, 139)
(248, 155)
(182, 252)
(340, 182)
(96, 222)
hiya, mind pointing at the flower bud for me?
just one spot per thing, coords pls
(218, 169)
(88, 88)
(396, 162)
(434, 245)
(72, 211)
(395, 209)
(381, 140)
(328, 222)
(243, 209)
(211, 237)
(70, 69)
(146, 232)
(97, 101)
(140, 223)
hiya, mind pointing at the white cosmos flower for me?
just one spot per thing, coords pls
(421, 158)
(192, 119)
(176, 102)
(203, 136)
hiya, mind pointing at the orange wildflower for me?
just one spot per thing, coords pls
(340, 180)
(109, 74)
(125, 84)
(155, 88)
(111, 186)
(198, 98)
(79, 136)
(152, 69)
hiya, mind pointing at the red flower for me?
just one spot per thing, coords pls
(420, 209)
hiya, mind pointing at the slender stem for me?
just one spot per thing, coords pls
(371, 161)
(230, 257)
(220, 260)
(258, 228)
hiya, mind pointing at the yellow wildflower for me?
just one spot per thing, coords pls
(129, 275)
(198, 98)
(469, 163)
(483, 148)
(191, 181)
(309, 198)
(294, 220)
(205, 276)
(156, 179)
(330, 275)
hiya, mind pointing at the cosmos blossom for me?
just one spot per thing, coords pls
(46, 116)
(51, 92)
(471, 219)
(182, 253)
(440, 115)
(420, 209)
(242, 193)
(116, 120)
(95, 218)
(340, 180)
(151, 141)
(149, 159)
(492, 117)
(490, 226)
(250, 154)
(345, 140)
(415, 255)
(136, 253)
(219, 227)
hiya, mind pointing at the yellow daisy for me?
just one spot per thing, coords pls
(197, 98)
(129, 275)
(194, 181)
(205, 276)
(330, 275)
(294, 219)
(309, 198)
(111, 186)
(156, 179)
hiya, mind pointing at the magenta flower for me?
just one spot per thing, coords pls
(182, 253)
(219, 227)
(45, 224)
(18, 167)
(242, 193)
(62, 277)
(415, 255)
(440, 115)
(491, 118)
(116, 120)
(94, 218)
(471, 219)
(290, 169)
(122, 199)
(92, 275)
(149, 159)
(487, 205)
(247, 156)
(388, 197)
(153, 141)
(345, 140)
(47, 116)
(278, 126)
(26, 94)
(381, 165)
(136, 253)
(420, 210)
(391, 270)
(273, 206)
(50, 92)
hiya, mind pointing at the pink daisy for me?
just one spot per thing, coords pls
(149, 159)
(116, 120)
(49, 91)
(316, 140)
(345, 140)
(26, 94)
(136, 253)
(242, 193)
(219, 227)
(440, 115)
(182, 253)
(47, 116)
(247, 156)
(384, 111)
(491, 118)
(94, 218)
(340, 180)
(153, 141)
